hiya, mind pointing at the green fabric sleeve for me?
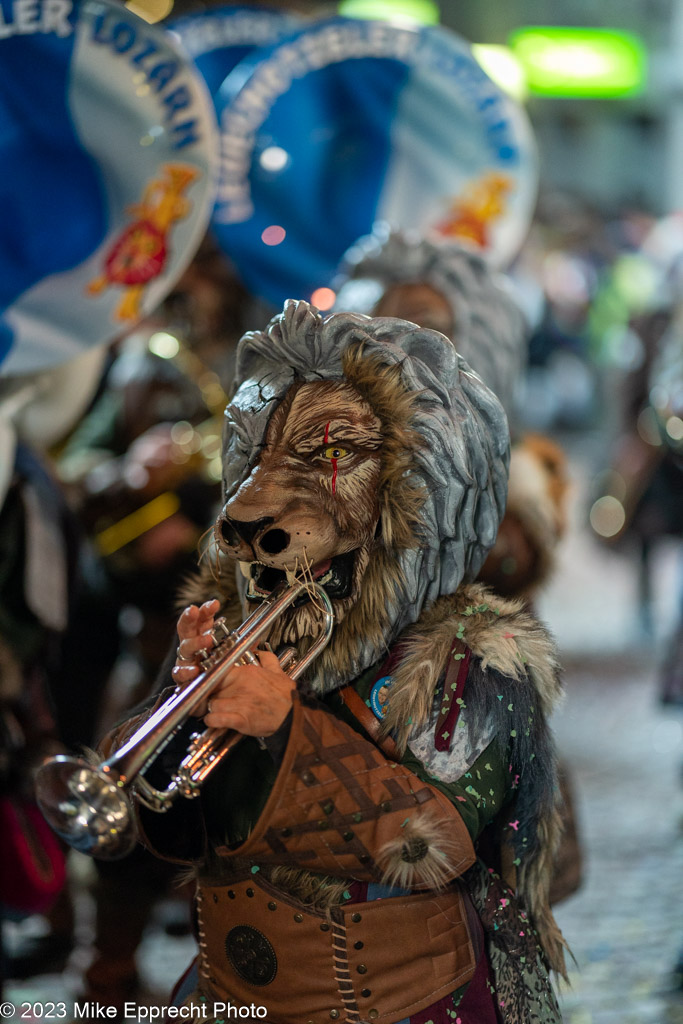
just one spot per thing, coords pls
(478, 794)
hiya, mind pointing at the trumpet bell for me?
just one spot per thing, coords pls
(86, 808)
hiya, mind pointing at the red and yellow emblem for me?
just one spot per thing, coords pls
(472, 213)
(139, 254)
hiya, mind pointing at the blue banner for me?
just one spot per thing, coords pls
(219, 38)
(108, 143)
(346, 123)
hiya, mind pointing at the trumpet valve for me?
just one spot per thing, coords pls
(220, 631)
(287, 658)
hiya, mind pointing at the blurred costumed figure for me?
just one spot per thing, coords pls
(142, 470)
(53, 669)
(641, 494)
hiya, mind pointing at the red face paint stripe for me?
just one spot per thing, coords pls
(334, 461)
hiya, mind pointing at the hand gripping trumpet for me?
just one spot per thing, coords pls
(89, 806)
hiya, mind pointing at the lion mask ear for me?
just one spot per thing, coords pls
(435, 350)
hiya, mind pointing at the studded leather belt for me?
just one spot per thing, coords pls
(375, 962)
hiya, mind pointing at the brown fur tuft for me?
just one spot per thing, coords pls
(313, 890)
(423, 856)
(524, 554)
(207, 584)
(533, 882)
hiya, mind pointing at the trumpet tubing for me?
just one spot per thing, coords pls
(89, 806)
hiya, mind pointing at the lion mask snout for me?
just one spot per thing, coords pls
(295, 535)
(310, 504)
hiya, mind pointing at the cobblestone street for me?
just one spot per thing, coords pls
(625, 925)
(625, 753)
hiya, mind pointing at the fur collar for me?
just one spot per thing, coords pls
(499, 631)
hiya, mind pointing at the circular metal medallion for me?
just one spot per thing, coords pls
(251, 955)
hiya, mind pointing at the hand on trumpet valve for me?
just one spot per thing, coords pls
(251, 699)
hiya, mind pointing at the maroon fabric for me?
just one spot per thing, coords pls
(477, 1007)
(34, 865)
(479, 1003)
(437, 1013)
(388, 665)
(358, 891)
(446, 726)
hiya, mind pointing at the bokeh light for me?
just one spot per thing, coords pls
(274, 158)
(164, 345)
(273, 235)
(503, 68)
(323, 298)
(607, 516)
(424, 12)
(674, 428)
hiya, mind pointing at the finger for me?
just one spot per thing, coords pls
(207, 613)
(226, 720)
(187, 623)
(183, 674)
(193, 647)
(248, 712)
(228, 712)
(246, 722)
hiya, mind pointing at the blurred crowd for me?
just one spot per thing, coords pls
(114, 484)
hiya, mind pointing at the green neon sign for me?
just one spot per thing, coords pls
(581, 62)
(424, 12)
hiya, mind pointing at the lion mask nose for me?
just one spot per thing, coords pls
(273, 542)
(235, 530)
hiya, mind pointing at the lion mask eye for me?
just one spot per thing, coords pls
(335, 452)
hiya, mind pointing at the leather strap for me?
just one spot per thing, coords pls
(370, 722)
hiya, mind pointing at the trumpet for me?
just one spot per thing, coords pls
(91, 806)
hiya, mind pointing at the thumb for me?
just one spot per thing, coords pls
(268, 660)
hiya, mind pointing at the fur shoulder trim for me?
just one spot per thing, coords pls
(512, 649)
(501, 632)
